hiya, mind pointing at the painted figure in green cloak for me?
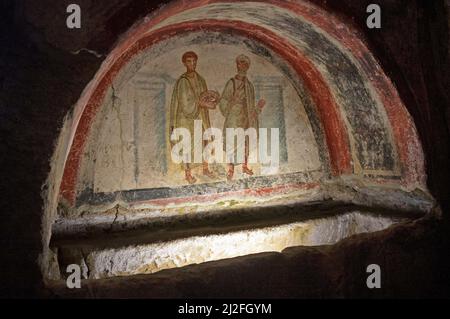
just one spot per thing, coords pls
(187, 106)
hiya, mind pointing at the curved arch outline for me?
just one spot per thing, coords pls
(405, 135)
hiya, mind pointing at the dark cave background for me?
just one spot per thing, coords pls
(40, 81)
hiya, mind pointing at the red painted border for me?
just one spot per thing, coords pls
(260, 193)
(335, 131)
(404, 132)
(405, 135)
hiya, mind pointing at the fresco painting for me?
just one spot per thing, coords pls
(223, 81)
(130, 145)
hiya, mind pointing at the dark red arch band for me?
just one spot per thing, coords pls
(334, 128)
(404, 132)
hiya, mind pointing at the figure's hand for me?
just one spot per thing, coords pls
(261, 103)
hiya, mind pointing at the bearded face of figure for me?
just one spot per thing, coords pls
(242, 66)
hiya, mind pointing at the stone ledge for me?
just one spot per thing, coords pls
(123, 241)
(135, 255)
(328, 199)
(336, 271)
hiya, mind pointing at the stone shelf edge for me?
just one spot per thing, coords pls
(331, 199)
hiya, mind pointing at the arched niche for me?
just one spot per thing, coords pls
(128, 152)
(349, 148)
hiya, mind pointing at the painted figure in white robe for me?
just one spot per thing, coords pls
(237, 105)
